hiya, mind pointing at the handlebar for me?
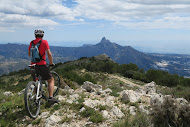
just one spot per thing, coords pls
(33, 65)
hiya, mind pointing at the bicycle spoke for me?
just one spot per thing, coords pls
(32, 105)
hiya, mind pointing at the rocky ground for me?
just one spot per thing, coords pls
(91, 105)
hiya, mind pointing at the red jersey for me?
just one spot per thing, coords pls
(42, 50)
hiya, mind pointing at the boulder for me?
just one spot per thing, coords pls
(130, 95)
(143, 109)
(90, 87)
(156, 99)
(108, 90)
(147, 88)
(8, 93)
(68, 89)
(110, 100)
(132, 110)
(150, 88)
(92, 103)
(105, 113)
(60, 98)
(117, 112)
(82, 109)
(181, 101)
(44, 115)
(52, 120)
(21, 92)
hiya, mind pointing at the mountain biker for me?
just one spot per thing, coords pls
(41, 68)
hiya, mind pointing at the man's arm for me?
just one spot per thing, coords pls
(49, 56)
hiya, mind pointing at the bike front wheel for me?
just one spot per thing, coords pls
(32, 105)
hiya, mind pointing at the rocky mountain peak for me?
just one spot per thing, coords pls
(104, 41)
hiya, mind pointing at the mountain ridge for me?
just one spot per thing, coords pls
(118, 53)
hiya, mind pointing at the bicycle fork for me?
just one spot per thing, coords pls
(38, 95)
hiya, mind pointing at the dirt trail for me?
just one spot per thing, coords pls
(123, 80)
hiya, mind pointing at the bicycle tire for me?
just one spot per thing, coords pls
(57, 85)
(32, 107)
(57, 82)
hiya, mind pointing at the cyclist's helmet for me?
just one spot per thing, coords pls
(39, 32)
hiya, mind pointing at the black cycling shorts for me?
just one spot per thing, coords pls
(43, 71)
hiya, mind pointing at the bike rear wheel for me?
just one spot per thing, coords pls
(32, 106)
(57, 84)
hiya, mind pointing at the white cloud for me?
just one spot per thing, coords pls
(137, 13)
(124, 9)
(18, 21)
(130, 13)
(164, 23)
(33, 13)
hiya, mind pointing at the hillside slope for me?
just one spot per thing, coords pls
(93, 98)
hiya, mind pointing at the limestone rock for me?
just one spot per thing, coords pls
(143, 109)
(82, 109)
(110, 100)
(156, 99)
(117, 112)
(132, 110)
(92, 103)
(181, 101)
(108, 90)
(105, 113)
(90, 87)
(44, 114)
(70, 101)
(21, 92)
(52, 120)
(60, 98)
(68, 89)
(130, 95)
(149, 88)
(8, 93)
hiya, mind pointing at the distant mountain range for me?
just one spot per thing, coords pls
(14, 57)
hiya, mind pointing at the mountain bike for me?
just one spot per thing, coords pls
(37, 90)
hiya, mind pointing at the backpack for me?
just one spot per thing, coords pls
(35, 54)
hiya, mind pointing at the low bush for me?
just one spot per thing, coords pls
(115, 89)
(94, 115)
(170, 114)
(139, 120)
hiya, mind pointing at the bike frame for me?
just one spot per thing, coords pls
(35, 91)
(39, 88)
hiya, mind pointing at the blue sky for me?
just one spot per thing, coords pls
(147, 25)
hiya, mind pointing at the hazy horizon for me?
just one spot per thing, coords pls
(167, 48)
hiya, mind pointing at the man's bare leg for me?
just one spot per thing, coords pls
(51, 86)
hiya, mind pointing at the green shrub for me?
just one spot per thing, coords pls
(95, 116)
(102, 107)
(37, 121)
(6, 107)
(169, 114)
(178, 91)
(80, 100)
(114, 93)
(139, 120)
(65, 119)
(115, 89)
